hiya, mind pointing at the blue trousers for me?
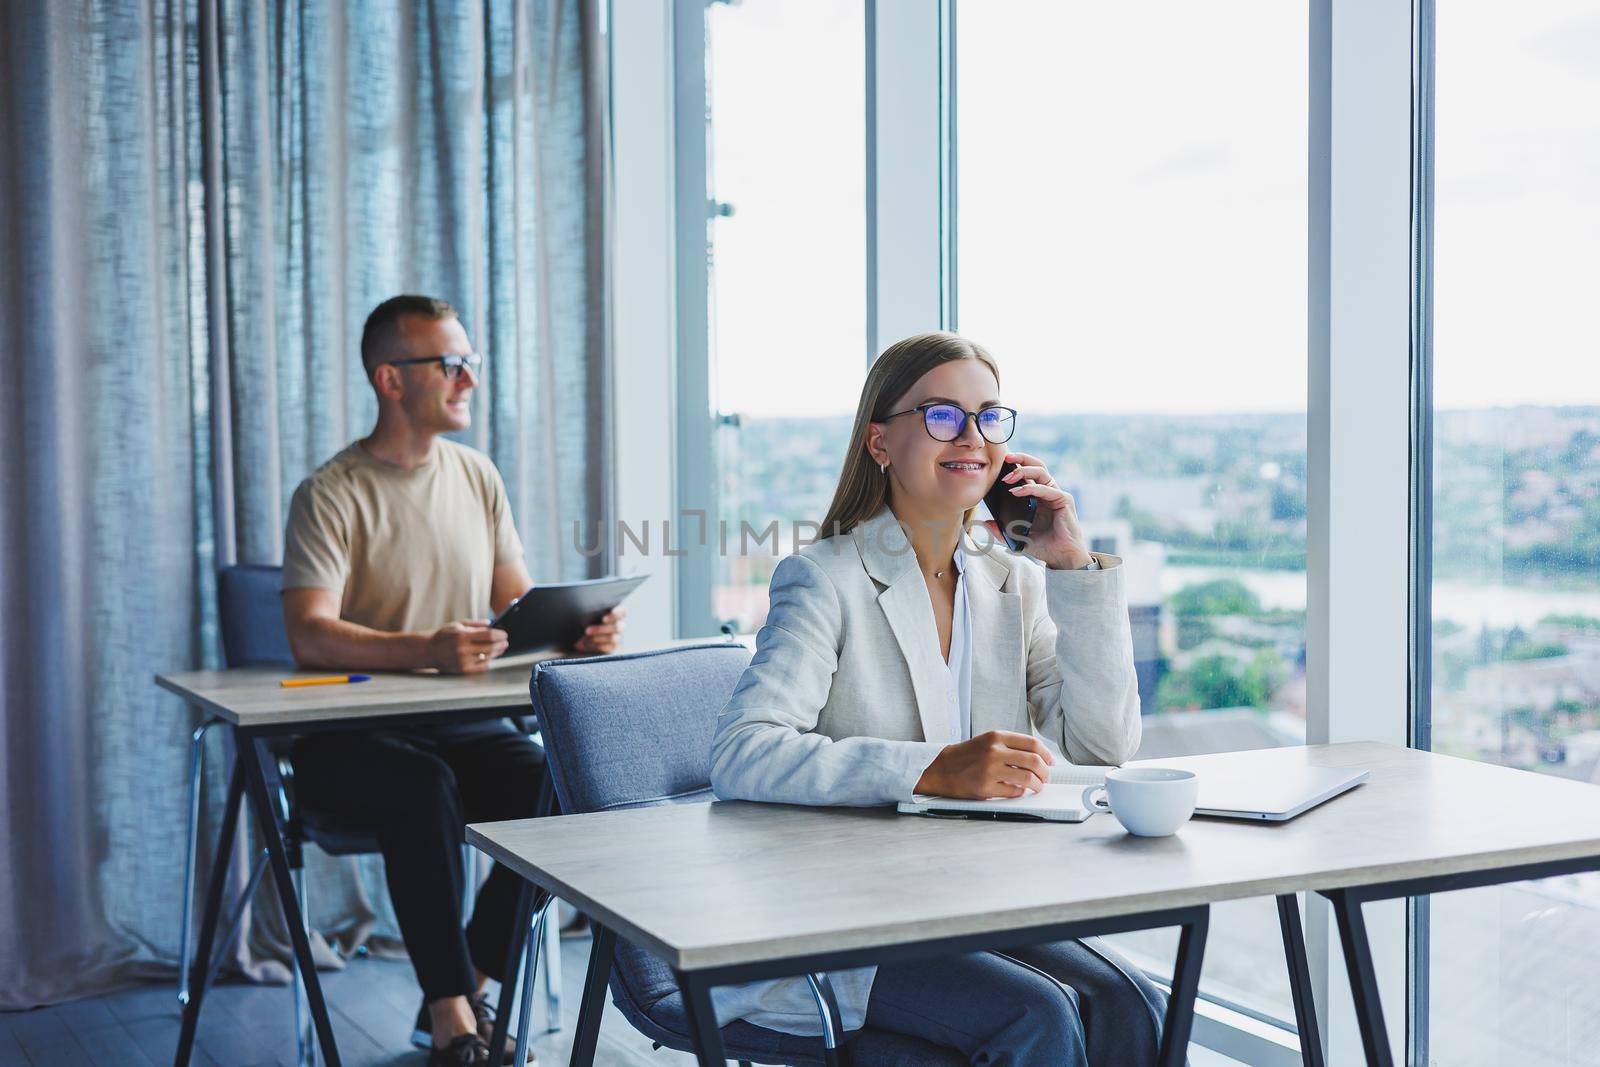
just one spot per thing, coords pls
(1074, 1003)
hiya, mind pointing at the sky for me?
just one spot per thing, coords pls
(1131, 205)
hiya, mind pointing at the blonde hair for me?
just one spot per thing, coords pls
(863, 489)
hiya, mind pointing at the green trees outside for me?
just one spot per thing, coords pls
(1222, 681)
(1246, 677)
(1224, 596)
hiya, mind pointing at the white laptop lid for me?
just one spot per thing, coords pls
(1271, 783)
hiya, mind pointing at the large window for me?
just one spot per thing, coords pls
(1130, 237)
(786, 89)
(1516, 540)
(1131, 233)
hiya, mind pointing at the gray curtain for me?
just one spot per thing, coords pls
(156, 433)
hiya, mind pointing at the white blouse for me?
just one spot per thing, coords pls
(958, 685)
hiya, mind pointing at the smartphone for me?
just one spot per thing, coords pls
(1012, 515)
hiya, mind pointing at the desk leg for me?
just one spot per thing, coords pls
(702, 1020)
(593, 1005)
(1185, 985)
(508, 977)
(197, 752)
(1363, 977)
(208, 924)
(251, 753)
(1305, 1005)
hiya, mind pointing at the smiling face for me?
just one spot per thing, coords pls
(429, 400)
(940, 477)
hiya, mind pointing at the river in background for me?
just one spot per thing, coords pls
(1470, 604)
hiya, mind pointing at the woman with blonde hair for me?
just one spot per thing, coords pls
(899, 657)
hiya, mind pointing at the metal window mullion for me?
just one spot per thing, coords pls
(870, 183)
(906, 190)
(1319, 144)
(696, 461)
(642, 278)
(1418, 924)
(1359, 424)
(947, 166)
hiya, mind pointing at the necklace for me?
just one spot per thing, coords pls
(938, 574)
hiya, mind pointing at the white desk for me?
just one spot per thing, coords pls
(735, 891)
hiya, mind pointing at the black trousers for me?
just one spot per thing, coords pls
(415, 791)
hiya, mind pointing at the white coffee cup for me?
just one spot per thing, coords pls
(1147, 801)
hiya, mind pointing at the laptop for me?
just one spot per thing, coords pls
(1267, 785)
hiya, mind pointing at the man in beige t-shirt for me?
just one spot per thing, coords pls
(396, 550)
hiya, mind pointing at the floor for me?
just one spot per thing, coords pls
(374, 1003)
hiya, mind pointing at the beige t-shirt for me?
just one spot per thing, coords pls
(404, 549)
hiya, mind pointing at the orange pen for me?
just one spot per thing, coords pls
(294, 683)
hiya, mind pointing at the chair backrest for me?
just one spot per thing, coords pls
(253, 636)
(252, 617)
(635, 731)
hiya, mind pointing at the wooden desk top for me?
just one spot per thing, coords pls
(707, 885)
(251, 697)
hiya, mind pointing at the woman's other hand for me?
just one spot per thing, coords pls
(1056, 539)
(1000, 763)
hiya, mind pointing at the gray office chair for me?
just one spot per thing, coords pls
(251, 615)
(635, 730)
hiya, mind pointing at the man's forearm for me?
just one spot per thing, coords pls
(339, 644)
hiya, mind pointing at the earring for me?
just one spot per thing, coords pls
(883, 469)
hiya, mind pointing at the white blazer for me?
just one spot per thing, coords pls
(845, 700)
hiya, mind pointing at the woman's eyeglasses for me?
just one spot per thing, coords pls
(947, 422)
(451, 365)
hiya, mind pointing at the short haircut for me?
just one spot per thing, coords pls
(380, 337)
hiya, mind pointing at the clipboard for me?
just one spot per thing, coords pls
(554, 615)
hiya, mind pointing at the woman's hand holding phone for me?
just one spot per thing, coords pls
(1057, 538)
(1000, 763)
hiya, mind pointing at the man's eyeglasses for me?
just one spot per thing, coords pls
(451, 365)
(947, 422)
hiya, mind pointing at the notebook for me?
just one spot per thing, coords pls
(1060, 801)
